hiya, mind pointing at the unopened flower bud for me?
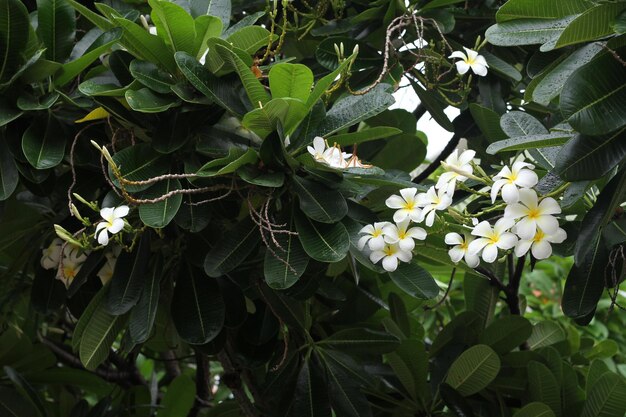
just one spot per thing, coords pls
(66, 236)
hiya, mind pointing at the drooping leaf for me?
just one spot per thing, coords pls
(410, 363)
(415, 281)
(43, 143)
(145, 101)
(232, 249)
(99, 333)
(543, 386)
(593, 96)
(474, 370)
(142, 316)
(14, 25)
(151, 76)
(128, 278)
(198, 309)
(311, 398)
(160, 214)
(318, 202)
(56, 28)
(488, 121)
(321, 241)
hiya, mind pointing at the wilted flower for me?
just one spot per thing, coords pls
(520, 175)
(472, 60)
(491, 239)
(406, 205)
(403, 236)
(391, 254)
(460, 249)
(373, 236)
(539, 244)
(71, 263)
(533, 214)
(112, 223)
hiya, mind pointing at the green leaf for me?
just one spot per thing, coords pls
(354, 109)
(502, 67)
(47, 293)
(14, 405)
(254, 89)
(179, 398)
(286, 265)
(232, 249)
(551, 84)
(519, 123)
(264, 120)
(543, 386)
(128, 278)
(319, 202)
(83, 321)
(209, 85)
(102, 44)
(291, 80)
(251, 38)
(410, 363)
(311, 397)
(145, 101)
(404, 152)
(415, 281)
(8, 112)
(529, 142)
(439, 3)
(592, 24)
(235, 159)
(488, 121)
(480, 296)
(434, 107)
(218, 8)
(585, 283)
(365, 135)
(545, 333)
(26, 390)
(138, 163)
(142, 316)
(160, 214)
(198, 309)
(367, 57)
(174, 25)
(90, 15)
(151, 76)
(346, 398)
(43, 143)
(9, 176)
(527, 9)
(98, 335)
(192, 216)
(607, 397)
(535, 409)
(528, 32)
(206, 27)
(144, 45)
(591, 157)
(473, 370)
(506, 333)
(323, 242)
(367, 341)
(56, 28)
(593, 96)
(14, 25)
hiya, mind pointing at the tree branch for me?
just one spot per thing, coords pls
(442, 157)
(233, 381)
(203, 389)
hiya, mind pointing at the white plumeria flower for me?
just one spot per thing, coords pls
(491, 239)
(460, 249)
(520, 175)
(318, 148)
(374, 236)
(539, 244)
(405, 204)
(431, 201)
(71, 263)
(533, 214)
(472, 60)
(403, 236)
(391, 254)
(458, 169)
(52, 254)
(335, 157)
(112, 223)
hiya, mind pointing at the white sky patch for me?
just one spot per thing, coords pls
(438, 137)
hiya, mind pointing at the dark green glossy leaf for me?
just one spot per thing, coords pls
(160, 214)
(9, 176)
(346, 398)
(474, 370)
(527, 9)
(319, 202)
(250, 39)
(594, 23)
(197, 306)
(321, 241)
(145, 101)
(528, 32)
(311, 398)
(535, 409)
(174, 25)
(14, 25)
(56, 28)
(606, 398)
(151, 76)
(284, 265)
(506, 333)
(98, 335)
(291, 80)
(232, 249)
(365, 340)
(218, 8)
(137, 163)
(415, 281)
(179, 398)
(543, 386)
(142, 316)
(43, 143)
(128, 278)
(254, 89)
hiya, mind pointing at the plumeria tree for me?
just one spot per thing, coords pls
(216, 208)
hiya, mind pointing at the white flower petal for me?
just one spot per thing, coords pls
(528, 197)
(495, 189)
(526, 178)
(430, 218)
(417, 233)
(479, 69)
(526, 228)
(395, 202)
(522, 247)
(121, 211)
(377, 256)
(400, 215)
(472, 260)
(490, 253)
(507, 241)
(557, 237)
(482, 229)
(404, 256)
(369, 229)
(477, 245)
(503, 225)
(466, 157)
(390, 263)
(362, 241)
(118, 224)
(376, 243)
(548, 224)
(406, 245)
(549, 206)
(462, 67)
(456, 254)
(458, 54)
(408, 194)
(103, 237)
(515, 211)
(453, 239)
(107, 213)
(510, 193)
(541, 250)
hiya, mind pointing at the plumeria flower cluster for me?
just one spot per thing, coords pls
(528, 223)
(333, 156)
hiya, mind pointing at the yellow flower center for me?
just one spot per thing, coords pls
(533, 213)
(409, 205)
(377, 232)
(464, 246)
(493, 239)
(511, 178)
(539, 236)
(402, 234)
(469, 61)
(389, 250)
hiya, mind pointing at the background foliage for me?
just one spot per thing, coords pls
(202, 315)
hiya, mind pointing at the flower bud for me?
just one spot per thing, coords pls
(66, 236)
